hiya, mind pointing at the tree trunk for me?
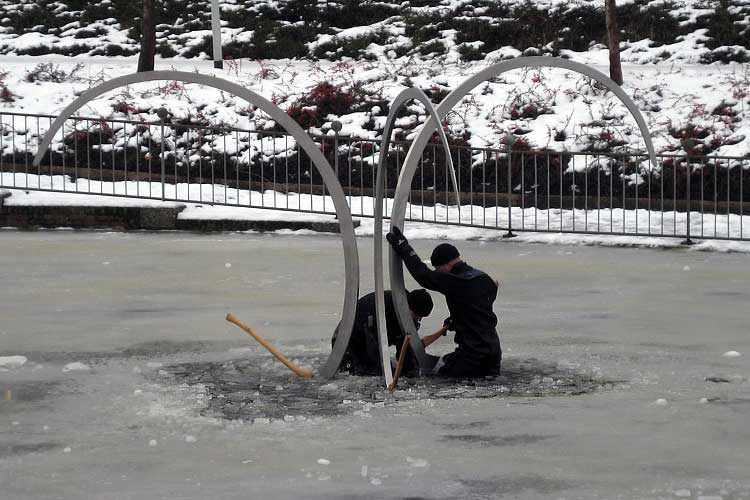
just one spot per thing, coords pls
(148, 37)
(613, 41)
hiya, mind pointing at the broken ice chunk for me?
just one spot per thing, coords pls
(76, 366)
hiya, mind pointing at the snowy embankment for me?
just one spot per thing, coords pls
(548, 109)
(217, 202)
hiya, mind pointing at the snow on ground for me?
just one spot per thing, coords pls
(569, 113)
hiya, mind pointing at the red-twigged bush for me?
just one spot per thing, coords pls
(5, 94)
(124, 107)
(312, 109)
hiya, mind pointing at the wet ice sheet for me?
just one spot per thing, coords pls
(657, 323)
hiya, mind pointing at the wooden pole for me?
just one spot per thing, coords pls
(296, 369)
(400, 364)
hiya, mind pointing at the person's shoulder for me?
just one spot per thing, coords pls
(478, 273)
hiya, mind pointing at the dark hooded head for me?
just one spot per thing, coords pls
(420, 302)
(443, 253)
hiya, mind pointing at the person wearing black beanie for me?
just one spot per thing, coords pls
(363, 352)
(470, 295)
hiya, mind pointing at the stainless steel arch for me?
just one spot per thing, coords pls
(415, 152)
(399, 296)
(349, 241)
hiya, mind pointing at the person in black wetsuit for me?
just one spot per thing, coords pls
(363, 354)
(470, 294)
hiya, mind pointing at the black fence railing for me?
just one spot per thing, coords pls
(510, 189)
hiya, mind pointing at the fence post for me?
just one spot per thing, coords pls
(163, 114)
(336, 126)
(688, 145)
(508, 140)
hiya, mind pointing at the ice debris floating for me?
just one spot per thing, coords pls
(731, 354)
(417, 462)
(153, 443)
(12, 361)
(76, 367)
(238, 391)
(661, 402)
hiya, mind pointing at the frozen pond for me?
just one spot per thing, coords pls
(131, 385)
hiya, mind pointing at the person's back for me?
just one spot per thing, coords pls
(470, 295)
(470, 301)
(363, 352)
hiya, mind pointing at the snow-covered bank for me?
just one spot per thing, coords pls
(549, 108)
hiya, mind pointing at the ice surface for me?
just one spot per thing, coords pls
(612, 322)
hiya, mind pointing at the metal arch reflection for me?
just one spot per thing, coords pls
(399, 295)
(343, 213)
(403, 186)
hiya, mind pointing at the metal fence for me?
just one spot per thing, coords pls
(511, 189)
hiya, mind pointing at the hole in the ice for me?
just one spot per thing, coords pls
(257, 387)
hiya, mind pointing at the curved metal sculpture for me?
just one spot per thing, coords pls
(412, 94)
(415, 152)
(343, 214)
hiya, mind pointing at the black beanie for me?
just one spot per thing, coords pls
(420, 302)
(443, 253)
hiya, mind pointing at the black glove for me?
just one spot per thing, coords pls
(397, 240)
(448, 322)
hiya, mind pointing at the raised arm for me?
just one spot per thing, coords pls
(426, 277)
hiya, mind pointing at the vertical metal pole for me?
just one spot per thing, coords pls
(238, 156)
(650, 174)
(434, 185)
(729, 185)
(523, 192)
(509, 140)
(336, 154)
(286, 168)
(349, 170)
(216, 28)
(688, 169)
(703, 196)
(2, 149)
(13, 146)
(458, 189)
(26, 149)
(161, 153)
(497, 202)
(536, 189)
(548, 203)
(62, 137)
(484, 188)
(687, 144)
